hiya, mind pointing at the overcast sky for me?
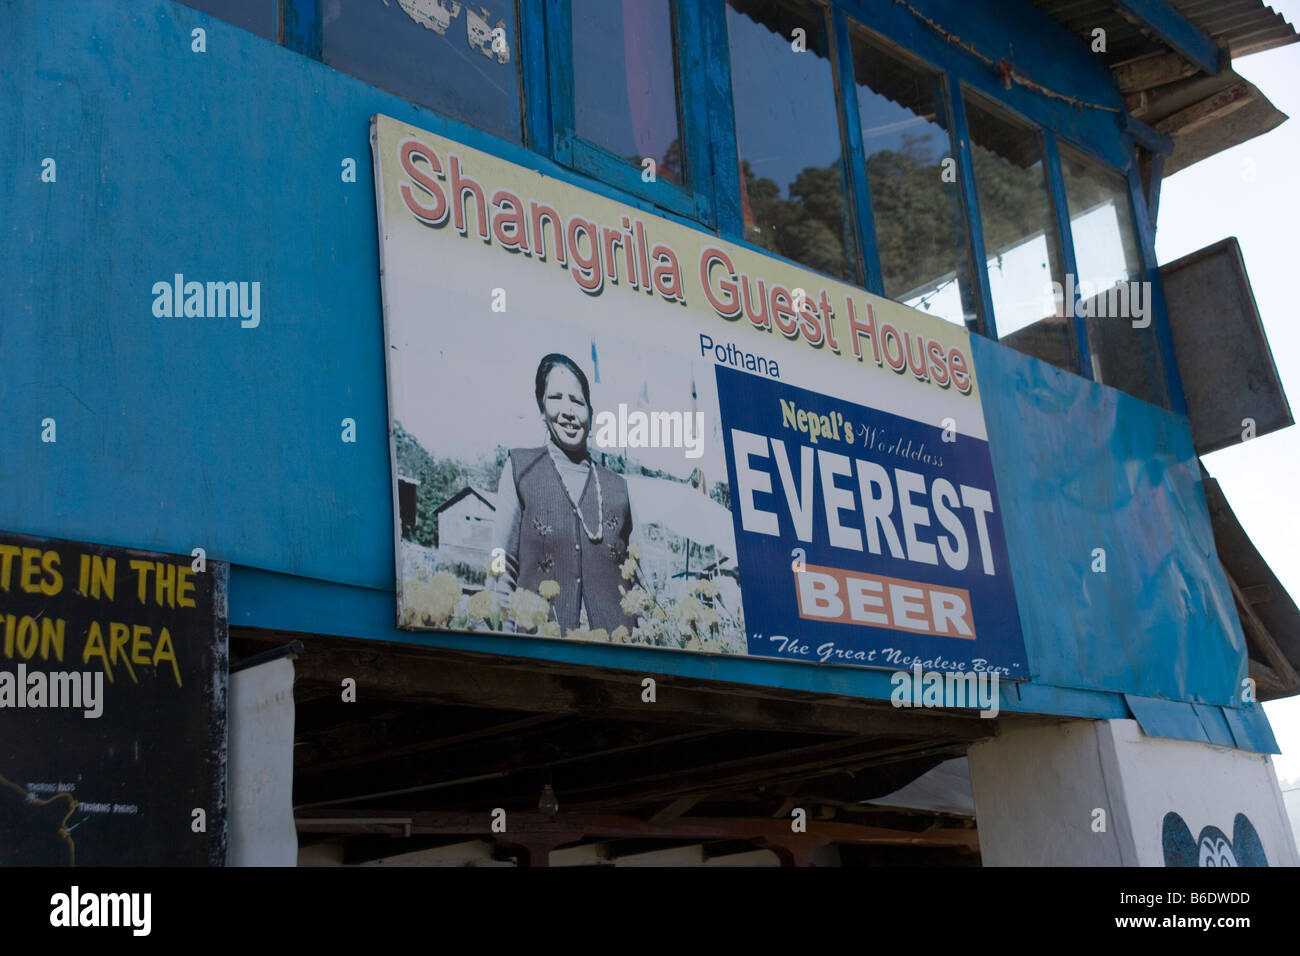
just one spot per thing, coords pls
(1249, 192)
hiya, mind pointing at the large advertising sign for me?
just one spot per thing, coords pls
(112, 706)
(607, 426)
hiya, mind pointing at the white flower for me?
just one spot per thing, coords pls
(528, 609)
(481, 606)
(706, 587)
(636, 602)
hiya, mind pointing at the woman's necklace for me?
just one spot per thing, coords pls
(600, 501)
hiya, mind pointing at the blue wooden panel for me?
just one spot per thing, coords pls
(1081, 466)
(1215, 725)
(1166, 718)
(1251, 729)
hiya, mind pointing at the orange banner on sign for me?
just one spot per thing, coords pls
(872, 600)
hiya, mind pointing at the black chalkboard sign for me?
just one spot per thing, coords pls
(113, 668)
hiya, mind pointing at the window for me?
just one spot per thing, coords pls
(1109, 283)
(793, 192)
(460, 60)
(916, 202)
(1021, 241)
(625, 81)
(628, 85)
(256, 16)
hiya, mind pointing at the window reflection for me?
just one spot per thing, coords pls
(916, 203)
(788, 135)
(256, 16)
(1111, 293)
(1020, 237)
(625, 81)
(456, 58)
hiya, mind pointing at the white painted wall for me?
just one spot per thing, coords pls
(1037, 789)
(260, 766)
(1207, 786)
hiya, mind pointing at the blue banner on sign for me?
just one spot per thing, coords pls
(866, 538)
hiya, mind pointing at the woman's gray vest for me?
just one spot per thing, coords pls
(553, 546)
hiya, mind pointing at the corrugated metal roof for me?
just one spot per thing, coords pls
(1204, 114)
(1240, 26)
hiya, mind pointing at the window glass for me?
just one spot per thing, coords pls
(1101, 223)
(916, 203)
(1020, 237)
(1114, 301)
(788, 134)
(625, 81)
(458, 59)
(256, 16)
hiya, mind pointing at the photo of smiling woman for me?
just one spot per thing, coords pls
(561, 517)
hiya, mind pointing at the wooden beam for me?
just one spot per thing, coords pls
(519, 756)
(1267, 684)
(537, 829)
(1180, 34)
(402, 672)
(368, 745)
(1151, 71)
(770, 770)
(675, 809)
(1207, 110)
(1257, 593)
(1256, 630)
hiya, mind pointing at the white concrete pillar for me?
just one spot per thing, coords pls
(1101, 793)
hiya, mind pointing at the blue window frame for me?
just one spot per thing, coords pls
(568, 117)
(660, 96)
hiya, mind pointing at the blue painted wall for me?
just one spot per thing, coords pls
(182, 433)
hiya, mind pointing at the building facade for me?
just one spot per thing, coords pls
(283, 279)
